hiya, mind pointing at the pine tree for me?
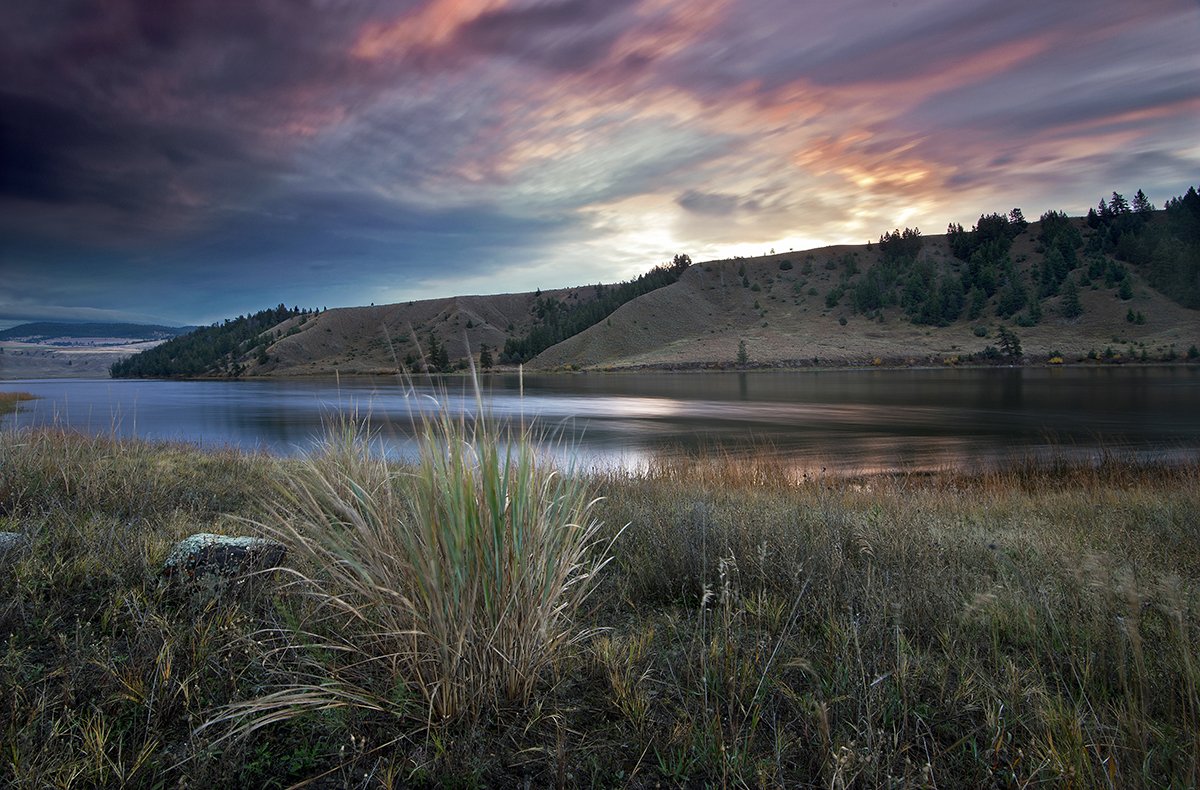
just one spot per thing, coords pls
(485, 357)
(1010, 344)
(1070, 305)
(433, 354)
(1142, 204)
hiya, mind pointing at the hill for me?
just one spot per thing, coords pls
(49, 332)
(784, 318)
(1117, 285)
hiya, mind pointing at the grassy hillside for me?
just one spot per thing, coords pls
(374, 339)
(777, 309)
(1116, 286)
(777, 306)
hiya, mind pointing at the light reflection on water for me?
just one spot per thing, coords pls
(843, 421)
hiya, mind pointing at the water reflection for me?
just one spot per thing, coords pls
(843, 420)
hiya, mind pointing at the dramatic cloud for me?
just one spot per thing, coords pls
(196, 159)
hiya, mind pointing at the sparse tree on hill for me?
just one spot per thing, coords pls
(1070, 305)
(742, 356)
(1010, 344)
(485, 357)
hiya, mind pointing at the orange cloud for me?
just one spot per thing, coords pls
(427, 27)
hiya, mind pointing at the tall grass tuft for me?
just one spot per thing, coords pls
(459, 576)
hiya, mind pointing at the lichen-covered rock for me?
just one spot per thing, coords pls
(219, 557)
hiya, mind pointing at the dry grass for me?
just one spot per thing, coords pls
(9, 400)
(1006, 627)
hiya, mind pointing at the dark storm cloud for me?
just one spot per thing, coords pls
(161, 111)
(63, 159)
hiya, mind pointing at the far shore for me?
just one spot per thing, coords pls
(25, 362)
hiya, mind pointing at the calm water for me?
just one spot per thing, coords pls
(858, 420)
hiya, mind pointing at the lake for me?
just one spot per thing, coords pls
(842, 420)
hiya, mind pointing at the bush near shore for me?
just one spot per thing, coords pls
(1000, 627)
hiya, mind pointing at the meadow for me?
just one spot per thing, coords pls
(475, 618)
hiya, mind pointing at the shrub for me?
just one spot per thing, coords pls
(784, 265)
(980, 331)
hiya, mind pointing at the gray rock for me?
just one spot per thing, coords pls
(220, 558)
(12, 542)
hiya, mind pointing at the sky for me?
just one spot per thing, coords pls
(185, 161)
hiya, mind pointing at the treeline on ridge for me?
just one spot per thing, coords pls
(985, 278)
(1164, 246)
(219, 349)
(561, 320)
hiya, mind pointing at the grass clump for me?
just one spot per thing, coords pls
(459, 575)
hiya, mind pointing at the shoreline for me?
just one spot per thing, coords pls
(681, 367)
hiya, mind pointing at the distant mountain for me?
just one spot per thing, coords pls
(45, 330)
